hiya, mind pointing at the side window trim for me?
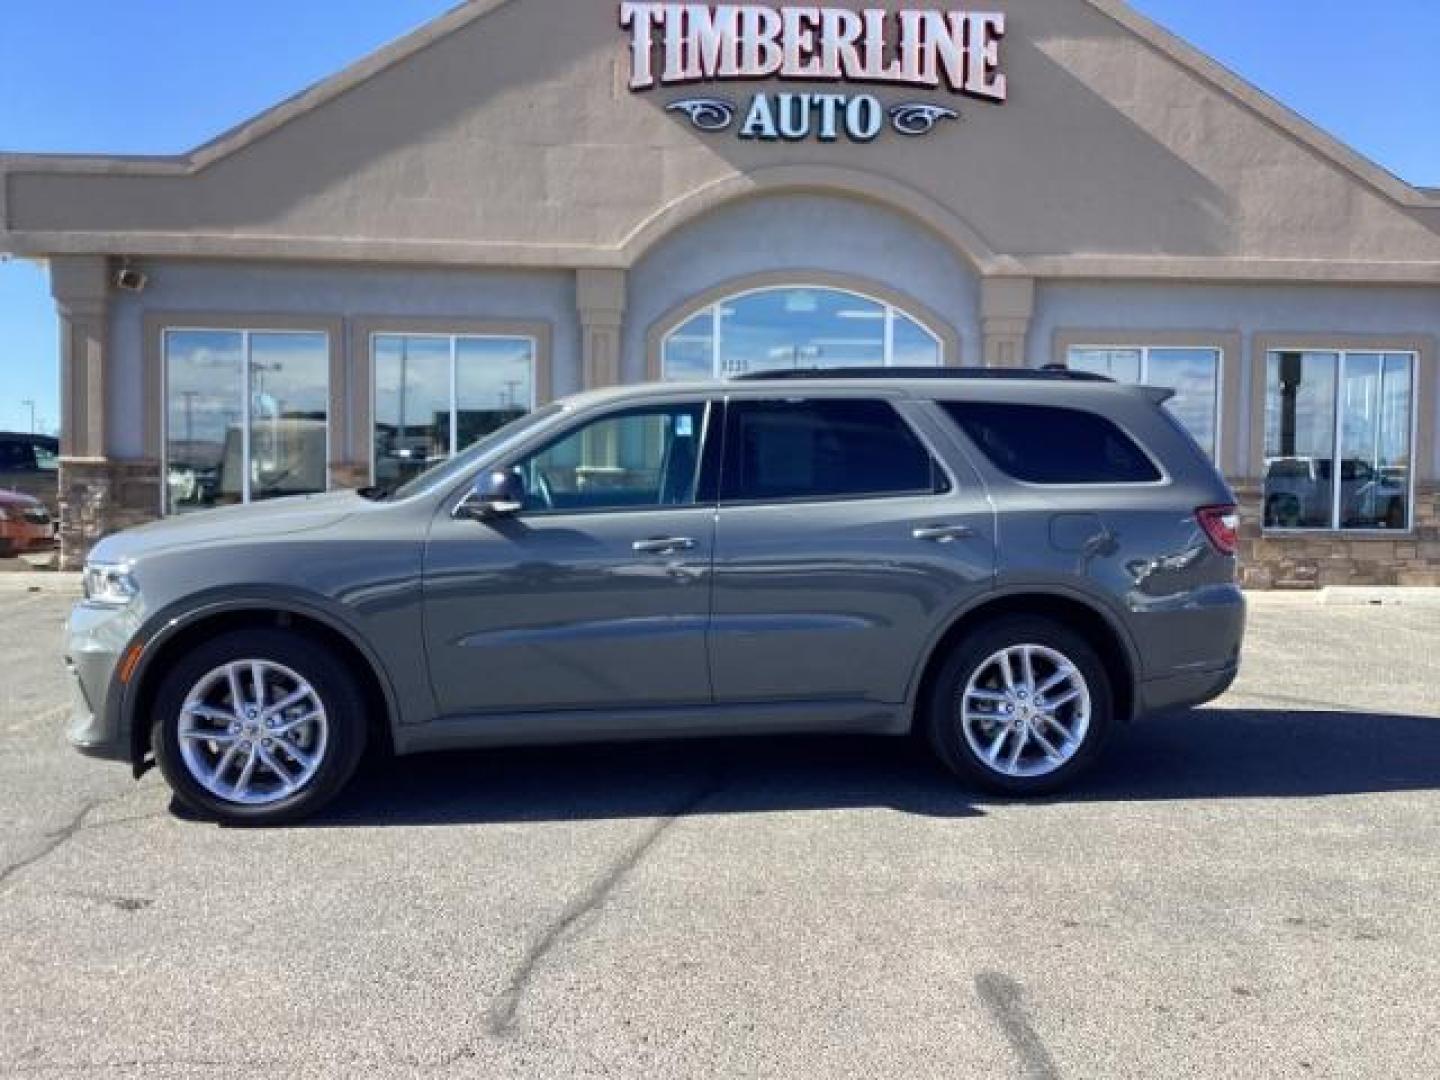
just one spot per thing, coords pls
(943, 481)
(710, 406)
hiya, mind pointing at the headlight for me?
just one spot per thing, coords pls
(3, 515)
(109, 584)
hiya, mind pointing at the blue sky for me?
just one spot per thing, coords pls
(161, 76)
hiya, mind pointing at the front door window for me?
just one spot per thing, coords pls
(641, 459)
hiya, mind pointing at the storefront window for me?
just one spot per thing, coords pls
(798, 327)
(435, 394)
(1194, 375)
(247, 416)
(1338, 439)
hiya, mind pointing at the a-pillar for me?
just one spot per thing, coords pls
(1006, 305)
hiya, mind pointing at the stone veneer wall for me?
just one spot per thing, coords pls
(99, 498)
(1300, 561)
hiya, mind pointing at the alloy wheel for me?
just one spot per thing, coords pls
(253, 732)
(1025, 711)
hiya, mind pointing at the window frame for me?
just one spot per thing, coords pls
(944, 483)
(374, 331)
(712, 302)
(1266, 348)
(247, 329)
(707, 463)
(1214, 451)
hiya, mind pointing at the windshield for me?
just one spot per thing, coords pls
(447, 471)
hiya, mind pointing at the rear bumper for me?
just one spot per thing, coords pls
(1185, 690)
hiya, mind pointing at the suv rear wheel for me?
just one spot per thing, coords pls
(1021, 707)
(258, 727)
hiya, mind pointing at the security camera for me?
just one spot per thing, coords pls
(130, 279)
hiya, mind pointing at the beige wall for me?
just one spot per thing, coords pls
(512, 139)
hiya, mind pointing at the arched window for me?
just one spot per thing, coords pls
(793, 327)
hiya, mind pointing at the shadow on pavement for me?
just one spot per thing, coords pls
(1210, 753)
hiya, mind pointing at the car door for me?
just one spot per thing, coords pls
(843, 543)
(596, 594)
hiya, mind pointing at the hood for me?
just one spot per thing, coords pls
(269, 519)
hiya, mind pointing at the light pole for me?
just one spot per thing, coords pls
(31, 402)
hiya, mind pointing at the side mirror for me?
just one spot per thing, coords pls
(498, 493)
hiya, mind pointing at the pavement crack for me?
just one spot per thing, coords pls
(1005, 1000)
(63, 835)
(500, 1018)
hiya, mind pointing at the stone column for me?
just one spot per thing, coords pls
(80, 285)
(1006, 305)
(600, 298)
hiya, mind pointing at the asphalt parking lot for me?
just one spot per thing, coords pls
(1247, 891)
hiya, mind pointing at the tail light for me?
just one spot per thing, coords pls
(1222, 526)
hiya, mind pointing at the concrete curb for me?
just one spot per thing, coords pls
(1347, 596)
(39, 581)
(1362, 596)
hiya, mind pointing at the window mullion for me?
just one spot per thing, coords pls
(889, 336)
(1335, 449)
(454, 391)
(246, 391)
(715, 340)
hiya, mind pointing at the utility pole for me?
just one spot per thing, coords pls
(31, 402)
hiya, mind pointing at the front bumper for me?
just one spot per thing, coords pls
(95, 640)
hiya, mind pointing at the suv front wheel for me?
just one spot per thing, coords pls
(258, 727)
(1021, 707)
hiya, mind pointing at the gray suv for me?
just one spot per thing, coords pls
(1009, 563)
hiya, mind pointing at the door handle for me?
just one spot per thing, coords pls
(663, 545)
(943, 534)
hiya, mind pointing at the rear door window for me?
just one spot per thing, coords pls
(781, 451)
(1046, 444)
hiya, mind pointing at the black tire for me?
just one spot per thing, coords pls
(339, 695)
(942, 717)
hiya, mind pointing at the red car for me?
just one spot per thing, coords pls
(25, 524)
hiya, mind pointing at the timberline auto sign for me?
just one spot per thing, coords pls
(678, 44)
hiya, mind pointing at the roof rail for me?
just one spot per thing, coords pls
(1002, 374)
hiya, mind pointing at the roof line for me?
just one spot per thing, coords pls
(1269, 108)
(1287, 120)
(257, 127)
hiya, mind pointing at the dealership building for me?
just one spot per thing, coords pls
(527, 198)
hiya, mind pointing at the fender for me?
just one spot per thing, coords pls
(1084, 597)
(164, 626)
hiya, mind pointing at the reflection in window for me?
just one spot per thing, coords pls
(799, 327)
(1337, 440)
(435, 394)
(1194, 375)
(247, 416)
(638, 459)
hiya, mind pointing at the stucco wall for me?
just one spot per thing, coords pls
(849, 238)
(1248, 310)
(513, 140)
(334, 292)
